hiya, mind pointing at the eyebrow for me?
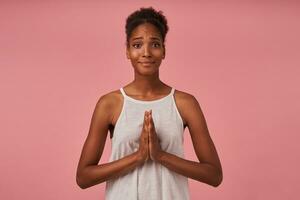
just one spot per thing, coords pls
(153, 38)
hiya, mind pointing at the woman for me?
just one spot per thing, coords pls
(146, 120)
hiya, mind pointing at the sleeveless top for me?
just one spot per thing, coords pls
(151, 180)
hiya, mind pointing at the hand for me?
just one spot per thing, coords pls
(143, 151)
(154, 146)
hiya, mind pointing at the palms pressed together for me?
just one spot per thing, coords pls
(154, 142)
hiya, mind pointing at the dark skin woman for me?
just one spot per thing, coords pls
(146, 52)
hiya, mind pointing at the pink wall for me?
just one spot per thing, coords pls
(240, 59)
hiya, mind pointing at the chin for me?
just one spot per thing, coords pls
(147, 72)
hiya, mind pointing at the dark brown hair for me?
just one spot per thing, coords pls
(146, 15)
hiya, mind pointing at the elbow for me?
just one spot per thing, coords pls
(80, 183)
(80, 180)
(84, 181)
(218, 179)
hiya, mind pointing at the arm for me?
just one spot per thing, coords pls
(202, 172)
(209, 169)
(89, 173)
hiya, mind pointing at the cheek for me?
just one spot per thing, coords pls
(157, 53)
(134, 55)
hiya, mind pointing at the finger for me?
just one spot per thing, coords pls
(151, 120)
(145, 123)
(145, 120)
(150, 136)
(145, 114)
(147, 137)
(147, 128)
(149, 123)
(152, 128)
(148, 118)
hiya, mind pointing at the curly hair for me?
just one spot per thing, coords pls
(146, 15)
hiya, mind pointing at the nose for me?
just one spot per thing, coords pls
(147, 52)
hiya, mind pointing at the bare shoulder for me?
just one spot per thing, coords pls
(185, 103)
(184, 96)
(110, 101)
(110, 98)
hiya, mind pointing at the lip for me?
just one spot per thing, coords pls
(146, 62)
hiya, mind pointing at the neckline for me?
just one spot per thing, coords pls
(146, 102)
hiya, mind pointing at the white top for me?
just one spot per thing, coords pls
(151, 180)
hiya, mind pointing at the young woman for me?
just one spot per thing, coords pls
(146, 119)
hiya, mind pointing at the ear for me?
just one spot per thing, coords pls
(164, 54)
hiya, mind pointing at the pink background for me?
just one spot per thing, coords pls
(240, 59)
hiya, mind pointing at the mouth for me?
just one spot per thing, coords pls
(147, 63)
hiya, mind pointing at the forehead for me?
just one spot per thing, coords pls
(145, 30)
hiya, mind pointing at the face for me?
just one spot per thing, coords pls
(145, 49)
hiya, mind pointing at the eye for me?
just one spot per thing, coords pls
(156, 44)
(137, 45)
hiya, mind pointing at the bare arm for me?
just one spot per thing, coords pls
(89, 173)
(202, 172)
(209, 169)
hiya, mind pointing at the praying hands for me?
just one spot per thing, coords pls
(149, 142)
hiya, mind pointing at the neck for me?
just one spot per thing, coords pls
(147, 84)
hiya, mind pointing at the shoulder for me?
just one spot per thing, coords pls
(108, 101)
(184, 97)
(185, 102)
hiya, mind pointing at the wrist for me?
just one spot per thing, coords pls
(160, 156)
(139, 157)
